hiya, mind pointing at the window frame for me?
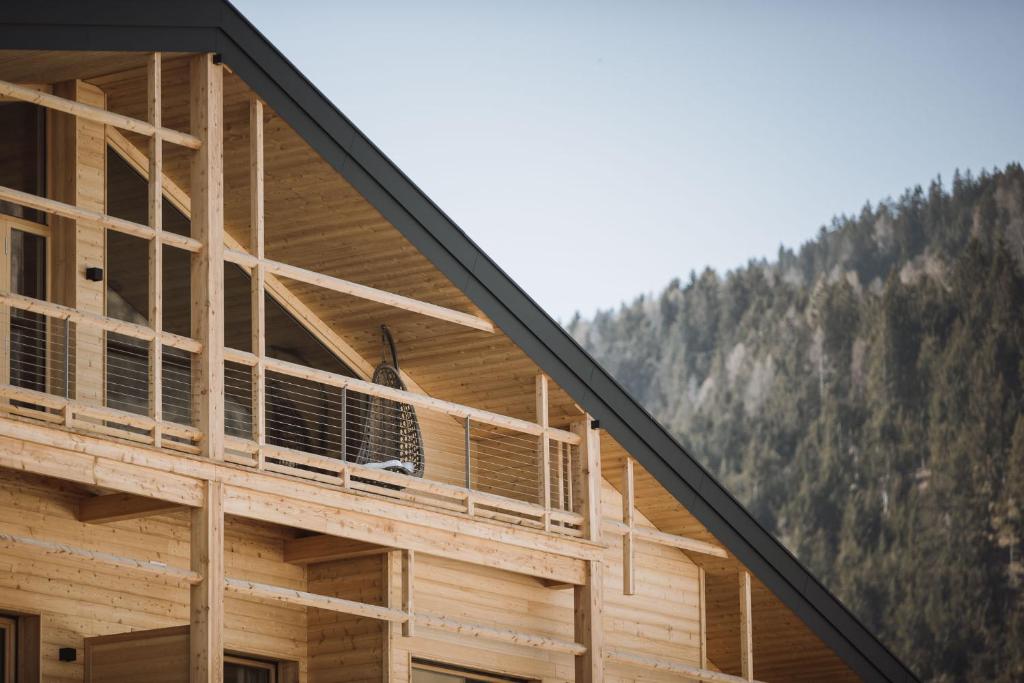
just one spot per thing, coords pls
(10, 626)
(253, 663)
(7, 225)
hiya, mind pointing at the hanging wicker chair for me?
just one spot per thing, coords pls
(391, 438)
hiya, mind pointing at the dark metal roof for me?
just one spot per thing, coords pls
(216, 26)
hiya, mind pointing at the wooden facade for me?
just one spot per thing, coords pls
(187, 479)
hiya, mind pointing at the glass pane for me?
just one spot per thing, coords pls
(128, 257)
(28, 330)
(243, 673)
(22, 154)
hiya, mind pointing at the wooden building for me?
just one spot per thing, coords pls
(215, 464)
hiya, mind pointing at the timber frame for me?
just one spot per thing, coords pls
(145, 466)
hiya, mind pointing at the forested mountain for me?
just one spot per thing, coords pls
(864, 397)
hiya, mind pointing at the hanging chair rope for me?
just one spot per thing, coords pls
(391, 437)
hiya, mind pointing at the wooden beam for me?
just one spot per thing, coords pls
(690, 673)
(262, 591)
(154, 105)
(206, 599)
(326, 548)
(95, 556)
(207, 183)
(588, 624)
(290, 596)
(544, 448)
(91, 113)
(408, 573)
(645, 533)
(628, 539)
(746, 627)
(277, 499)
(501, 635)
(341, 286)
(257, 295)
(116, 507)
(94, 217)
(95, 321)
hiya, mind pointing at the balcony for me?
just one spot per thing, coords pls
(95, 374)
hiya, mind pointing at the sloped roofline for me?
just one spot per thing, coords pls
(216, 26)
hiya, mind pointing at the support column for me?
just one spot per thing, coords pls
(207, 187)
(628, 539)
(588, 613)
(544, 449)
(206, 598)
(588, 599)
(589, 488)
(257, 224)
(77, 176)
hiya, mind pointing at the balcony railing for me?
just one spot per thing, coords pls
(94, 374)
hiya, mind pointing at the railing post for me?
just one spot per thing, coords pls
(344, 424)
(469, 460)
(544, 448)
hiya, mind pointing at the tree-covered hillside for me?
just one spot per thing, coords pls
(864, 397)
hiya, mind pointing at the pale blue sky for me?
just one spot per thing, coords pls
(596, 150)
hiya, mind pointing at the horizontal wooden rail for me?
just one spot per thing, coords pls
(348, 470)
(380, 296)
(64, 550)
(262, 591)
(416, 400)
(141, 332)
(53, 207)
(662, 538)
(500, 635)
(101, 413)
(87, 111)
(290, 596)
(668, 666)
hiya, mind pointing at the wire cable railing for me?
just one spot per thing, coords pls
(95, 374)
(75, 373)
(318, 424)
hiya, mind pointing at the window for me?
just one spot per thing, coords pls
(8, 630)
(23, 270)
(23, 155)
(432, 672)
(242, 670)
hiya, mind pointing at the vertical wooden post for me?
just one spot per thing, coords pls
(256, 238)
(589, 489)
(702, 598)
(408, 573)
(628, 539)
(588, 601)
(156, 251)
(544, 448)
(746, 628)
(207, 185)
(206, 599)
(395, 655)
(77, 175)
